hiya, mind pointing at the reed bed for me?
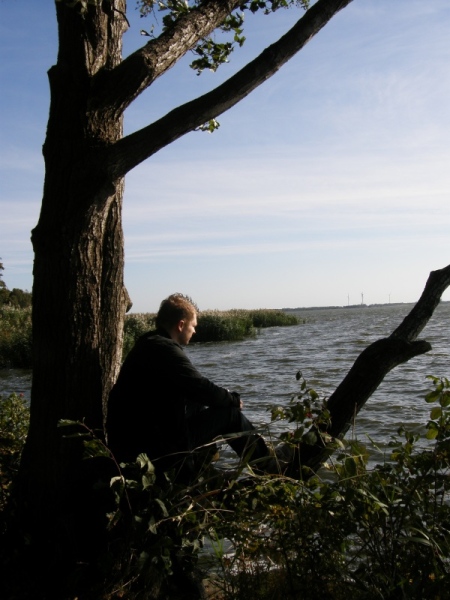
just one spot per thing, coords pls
(215, 325)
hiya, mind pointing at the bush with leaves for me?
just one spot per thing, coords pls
(154, 525)
(15, 337)
(14, 422)
(136, 325)
(347, 532)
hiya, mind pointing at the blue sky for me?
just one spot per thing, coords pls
(332, 180)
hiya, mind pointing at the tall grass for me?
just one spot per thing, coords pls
(264, 317)
(213, 326)
(220, 326)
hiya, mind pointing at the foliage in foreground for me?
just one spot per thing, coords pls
(354, 533)
(14, 422)
(348, 532)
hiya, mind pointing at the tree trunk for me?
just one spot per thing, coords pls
(79, 300)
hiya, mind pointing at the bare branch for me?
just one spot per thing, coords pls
(366, 374)
(413, 324)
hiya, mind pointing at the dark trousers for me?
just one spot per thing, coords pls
(209, 423)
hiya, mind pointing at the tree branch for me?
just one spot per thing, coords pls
(136, 147)
(114, 90)
(413, 324)
(366, 374)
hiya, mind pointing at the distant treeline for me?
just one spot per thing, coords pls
(15, 326)
(15, 297)
(302, 308)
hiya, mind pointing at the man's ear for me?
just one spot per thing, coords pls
(180, 325)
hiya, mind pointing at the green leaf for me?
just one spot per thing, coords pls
(433, 396)
(68, 423)
(152, 526)
(432, 431)
(147, 481)
(436, 413)
(444, 400)
(162, 506)
(310, 438)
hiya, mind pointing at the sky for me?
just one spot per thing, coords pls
(329, 185)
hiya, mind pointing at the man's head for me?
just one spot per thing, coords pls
(178, 316)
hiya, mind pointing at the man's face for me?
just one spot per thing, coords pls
(186, 329)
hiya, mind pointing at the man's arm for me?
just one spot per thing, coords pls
(197, 388)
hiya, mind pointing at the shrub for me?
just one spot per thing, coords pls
(346, 533)
(219, 326)
(155, 526)
(273, 318)
(14, 422)
(15, 337)
(356, 533)
(135, 325)
(238, 324)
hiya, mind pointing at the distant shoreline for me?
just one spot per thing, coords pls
(353, 306)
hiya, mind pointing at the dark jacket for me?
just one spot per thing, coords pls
(147, 406)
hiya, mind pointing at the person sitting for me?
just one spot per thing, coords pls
(162, 406)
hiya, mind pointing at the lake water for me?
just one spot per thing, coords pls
(324, 348)
(263, 369)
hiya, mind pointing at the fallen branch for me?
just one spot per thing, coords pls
(366, 374)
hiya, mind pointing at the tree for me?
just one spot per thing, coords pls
(4, 293)
(2, 283)
(19, 298)
(79, 298)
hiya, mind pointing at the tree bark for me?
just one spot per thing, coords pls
(79, 299)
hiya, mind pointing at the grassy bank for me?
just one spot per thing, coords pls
(213, 326)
